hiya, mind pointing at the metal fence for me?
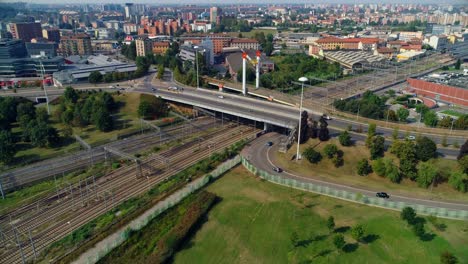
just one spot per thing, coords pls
(355, 197)
(113, 241)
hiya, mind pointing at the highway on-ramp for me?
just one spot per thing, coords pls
(261, 156)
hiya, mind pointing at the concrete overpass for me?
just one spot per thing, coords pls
(260, 111)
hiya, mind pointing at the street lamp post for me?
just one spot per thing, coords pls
(302, 79)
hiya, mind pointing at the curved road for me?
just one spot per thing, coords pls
(260, 156)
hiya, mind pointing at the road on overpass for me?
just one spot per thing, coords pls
(260, 156)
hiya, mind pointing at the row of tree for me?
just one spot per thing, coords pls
(34, 124)
(80, 109)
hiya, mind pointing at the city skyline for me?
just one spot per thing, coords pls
(243, 2)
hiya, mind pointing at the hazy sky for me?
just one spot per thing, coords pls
(221, 2)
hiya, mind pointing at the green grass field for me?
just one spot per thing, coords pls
(254, 221)
(347, 174)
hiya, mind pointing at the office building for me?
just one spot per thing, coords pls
(79, 44)
(44, 49)
(12, 48)
(26, 31)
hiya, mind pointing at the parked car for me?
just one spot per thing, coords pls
(326, 117)
(411, 137)
(277, 169)
(382, 195)
(220, 97)
(269, 144)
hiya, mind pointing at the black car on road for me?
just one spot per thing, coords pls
(277, 169)
(382, 195)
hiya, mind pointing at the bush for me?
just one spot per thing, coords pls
(418, 229)
(363, 167)
(338, 161)
(409, 215)
(345, 139)
(459, 181)
(330, 150)
(448, 258)
(338, 241)
(311, 155)
(378, 166)
(357, 232)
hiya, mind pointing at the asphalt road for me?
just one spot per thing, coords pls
(236, 103)
(260, 156)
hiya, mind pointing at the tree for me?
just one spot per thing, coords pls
(304, 127)
(323, 131)
(418, 229)
(409, 215)
(363, 167)
(448, 258)
(103, 120)
(108, 77)
(357, 232)
(427, 172)
(311, 155)
(160, 72)
(371, 130)
(70, 95)
(403, 114)
(25, 111)
(345, 138)
(338, 160)
(430, 118)
(338, 241)
(331, 224)
(377, 147)
(395, 133)
(67, 116)
(391, 171)
(95, 77)
(378, 166)
(425, 148)
(330, 150)
(458, 64)
(459, 181)
(422, 109)
(42, 135)
(152, 107)
(463, 150)
(42, 115)
(8, 109)
(463, 163)
(7, 147)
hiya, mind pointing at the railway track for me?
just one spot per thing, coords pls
(75, 161)
(120, 186)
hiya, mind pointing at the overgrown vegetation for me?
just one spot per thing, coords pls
(152, 107)
(157, 242)
(289, 68)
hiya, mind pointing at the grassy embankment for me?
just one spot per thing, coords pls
(347, 174)
(255, 220)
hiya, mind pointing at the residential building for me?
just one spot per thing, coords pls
(203, 26)
(160, 47)
(130, 28)
(409, 35)
(334, 43)
(78, 44)
(52, 34)
(215, 13)
(26, 31)
(245, 44)
(143, 46)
